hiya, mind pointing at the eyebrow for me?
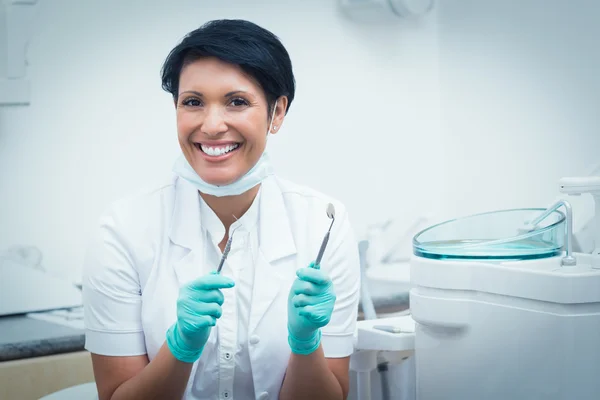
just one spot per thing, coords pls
(229, 94)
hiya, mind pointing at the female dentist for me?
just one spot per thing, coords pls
(160, 322)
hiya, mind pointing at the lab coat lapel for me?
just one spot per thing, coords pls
(185, 231)
(274, 266)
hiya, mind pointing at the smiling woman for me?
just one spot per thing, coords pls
(223, 129)
(229, 95)
(160, 321)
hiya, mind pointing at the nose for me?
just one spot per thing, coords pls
(214, 122)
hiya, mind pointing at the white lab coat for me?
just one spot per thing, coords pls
(147, 246)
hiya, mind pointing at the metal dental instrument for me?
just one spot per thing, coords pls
(226, 250)
(330, 214)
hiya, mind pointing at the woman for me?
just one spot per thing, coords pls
(160, 322)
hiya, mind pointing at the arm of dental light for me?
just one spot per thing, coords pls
(324, 374)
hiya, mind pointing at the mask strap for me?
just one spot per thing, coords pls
(272, 117)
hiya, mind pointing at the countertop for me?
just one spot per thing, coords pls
(24, 337)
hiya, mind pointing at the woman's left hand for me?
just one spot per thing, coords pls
(310, 305)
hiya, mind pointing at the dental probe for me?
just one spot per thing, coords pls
(226, 250)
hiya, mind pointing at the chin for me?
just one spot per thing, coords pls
(219, 179)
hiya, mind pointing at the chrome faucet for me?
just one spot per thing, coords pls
(568, 260)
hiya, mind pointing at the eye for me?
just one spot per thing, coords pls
(192, 102)
(238, 102)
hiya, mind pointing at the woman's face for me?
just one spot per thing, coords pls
(222, 119)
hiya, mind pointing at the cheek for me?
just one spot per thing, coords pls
(185, 123)
(255, 145)
(253, 129)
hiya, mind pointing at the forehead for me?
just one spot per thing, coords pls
(210, 73)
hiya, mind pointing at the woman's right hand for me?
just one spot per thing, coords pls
(198, 308)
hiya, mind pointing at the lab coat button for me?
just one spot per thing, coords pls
(226, 394)
(227, 356)
(254, 340)
(263, 396)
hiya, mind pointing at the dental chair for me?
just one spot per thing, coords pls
(382, 365)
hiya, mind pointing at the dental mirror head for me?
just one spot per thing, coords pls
(331, 211)
(331, 214)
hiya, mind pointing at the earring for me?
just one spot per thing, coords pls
(274, 127)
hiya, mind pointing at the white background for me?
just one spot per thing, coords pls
(480, 106)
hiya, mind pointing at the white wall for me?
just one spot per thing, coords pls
(520, 93)
(483, 105)
(364, 122)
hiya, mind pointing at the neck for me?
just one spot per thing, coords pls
(226, 207)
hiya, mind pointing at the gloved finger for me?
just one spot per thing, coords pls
(205, 321)
(188, 295)
(307, 288)
(196, 323)
(186, 310)
(193, 309)
(301, 300)
(211, 281)
(315, 314)
(208, 296)
(313, 275)
(212, 309)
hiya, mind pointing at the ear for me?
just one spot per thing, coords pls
(279, 114)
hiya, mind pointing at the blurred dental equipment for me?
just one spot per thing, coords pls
(590, 185)
(586, 229)
(391, 241)
(331, 214)
(376, 348)
(386, 260)
(26, 287)
(366, 300)
(384, 11)
(16, 23)
(568, 259)
(503, 308)
(493, 302)
(386, 347)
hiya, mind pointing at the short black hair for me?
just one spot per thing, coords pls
(258, 52)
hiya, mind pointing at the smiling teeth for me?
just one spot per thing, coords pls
(218, 151)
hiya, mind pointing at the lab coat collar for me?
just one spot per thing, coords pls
(185, 226)
(275, 234)
(242, 226)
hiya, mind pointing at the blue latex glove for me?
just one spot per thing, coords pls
(198, 308)
(310, 305)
